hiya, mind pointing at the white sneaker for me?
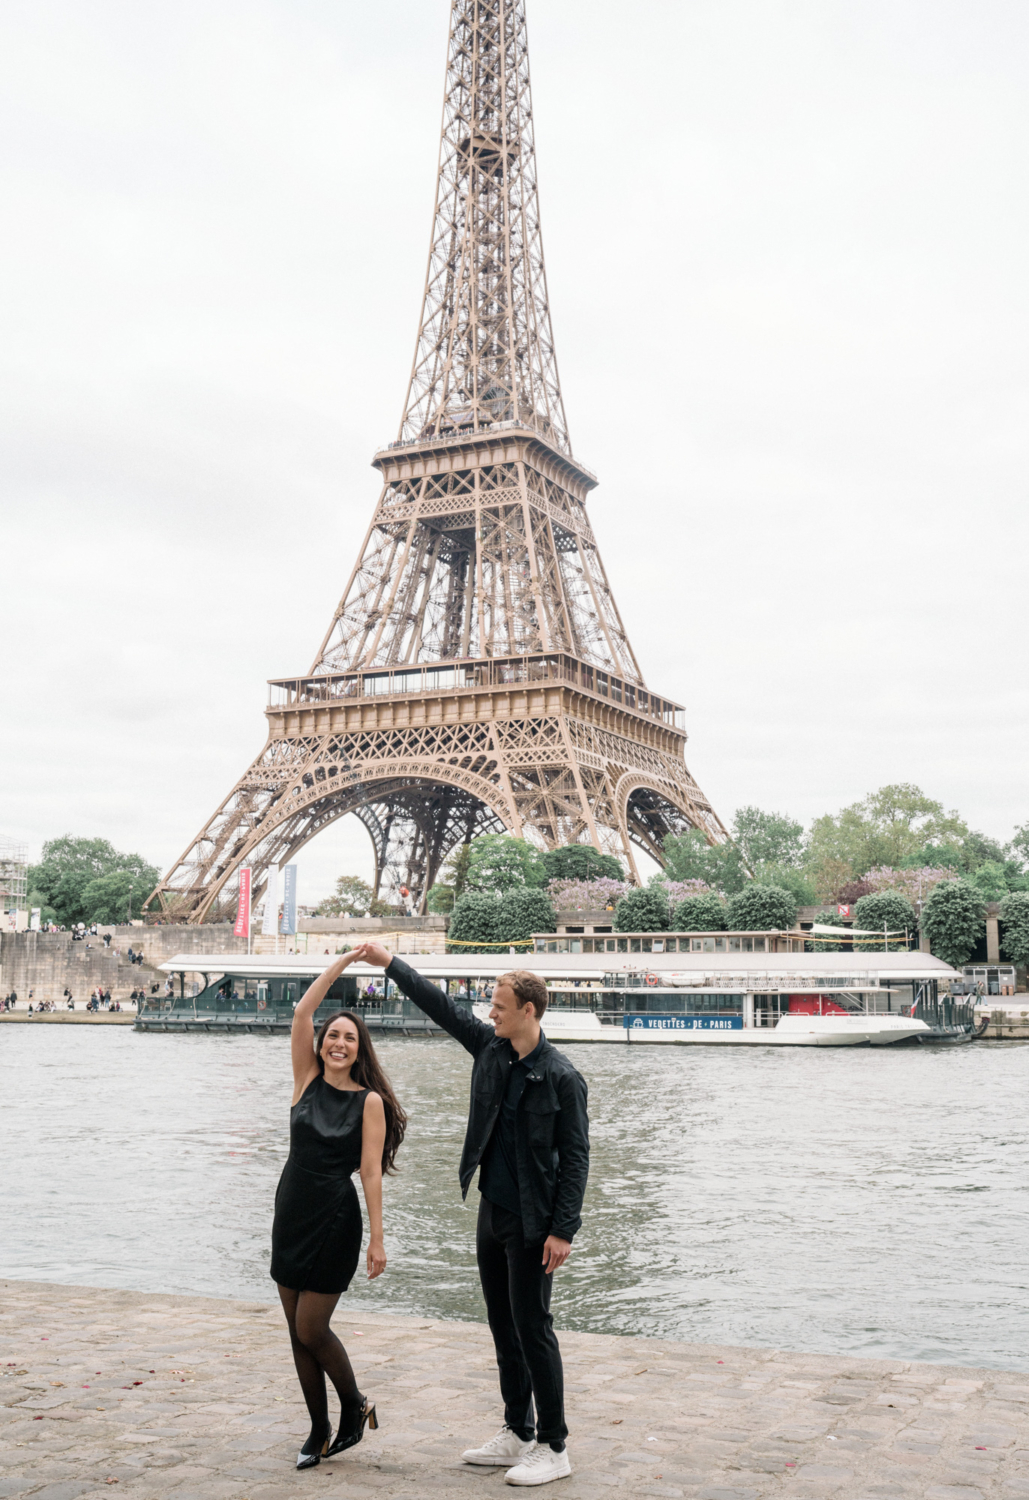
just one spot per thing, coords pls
(540, 1466)
(507, 1447)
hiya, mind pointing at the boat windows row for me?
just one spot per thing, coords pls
(727, 944)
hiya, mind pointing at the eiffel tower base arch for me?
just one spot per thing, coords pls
(548, 762)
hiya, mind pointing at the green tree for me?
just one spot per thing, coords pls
(761, 908)
(704, 913)
(688, 856)
(644, 909)
(887, 909)
(767, 838)
(581, 862)
(455, 871)
(952, 919)
(69, 866)
(1020, 843)
(1014, 919)
(830, 918)
(885, 828)
(523, 911)
(499, 863)
(946, 854)
(968, 856)
(990, 880)
(762, 845)
(978, 848)
(113, 898)
(440, 899)
(475, 922)
(788, 878)
(352, 898)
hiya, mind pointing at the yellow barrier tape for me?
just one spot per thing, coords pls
(511, 943)
(896, 944)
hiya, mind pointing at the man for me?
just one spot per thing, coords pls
(528, 1133)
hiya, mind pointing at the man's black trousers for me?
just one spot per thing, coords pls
(517, 1293)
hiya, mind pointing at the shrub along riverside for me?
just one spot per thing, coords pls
(887, 909)
(761, 908)
(699, 914)
(480, 921)
(1014, 917)
(953, 919)
(643, 910)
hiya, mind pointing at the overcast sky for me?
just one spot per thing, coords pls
(786, 247)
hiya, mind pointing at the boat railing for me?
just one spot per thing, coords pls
(945, 1013)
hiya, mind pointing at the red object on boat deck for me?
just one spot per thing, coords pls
(815, 1005)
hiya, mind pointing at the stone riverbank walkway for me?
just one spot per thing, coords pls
(72, 1017)
(137, 1395)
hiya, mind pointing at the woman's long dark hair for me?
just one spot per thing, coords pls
(367, 1072)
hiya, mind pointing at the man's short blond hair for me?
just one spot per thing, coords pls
(528, 988)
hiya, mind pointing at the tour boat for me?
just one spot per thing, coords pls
(657, 998)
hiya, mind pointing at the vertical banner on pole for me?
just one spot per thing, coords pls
(270, 925)
(242, 927)
(288, 924)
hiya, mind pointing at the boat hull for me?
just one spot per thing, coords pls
(789, 1031)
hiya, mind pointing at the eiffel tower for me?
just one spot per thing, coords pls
(476, 676)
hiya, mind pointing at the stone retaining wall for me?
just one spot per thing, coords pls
(49, 962)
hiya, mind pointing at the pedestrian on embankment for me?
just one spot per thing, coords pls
(344, 1118)
(528, 1133)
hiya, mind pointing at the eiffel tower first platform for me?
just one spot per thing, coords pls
(476, 676)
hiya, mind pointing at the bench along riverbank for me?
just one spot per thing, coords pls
(145, 1394)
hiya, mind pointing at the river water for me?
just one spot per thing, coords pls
(858, 1201)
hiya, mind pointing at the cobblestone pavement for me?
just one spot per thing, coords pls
(141, 1395)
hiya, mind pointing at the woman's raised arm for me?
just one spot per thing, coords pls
(305, 1065)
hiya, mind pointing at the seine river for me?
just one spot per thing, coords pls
(858, 1201)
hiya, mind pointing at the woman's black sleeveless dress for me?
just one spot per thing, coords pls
(317, 1230)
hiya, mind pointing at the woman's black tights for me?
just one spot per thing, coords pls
(317, 1352)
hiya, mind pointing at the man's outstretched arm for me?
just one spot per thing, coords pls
(465, 1028)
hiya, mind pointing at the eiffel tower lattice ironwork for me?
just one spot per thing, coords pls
(476, 675)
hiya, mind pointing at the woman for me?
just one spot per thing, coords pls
(345, 1117)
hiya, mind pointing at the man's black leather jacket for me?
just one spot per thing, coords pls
(554, 1142)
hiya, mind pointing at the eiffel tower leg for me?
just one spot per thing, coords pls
(378, 832)
(425, 828)
(297, 786)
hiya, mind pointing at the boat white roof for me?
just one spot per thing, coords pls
(902, 968)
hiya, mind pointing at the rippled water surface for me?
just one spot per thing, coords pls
(854, 1200)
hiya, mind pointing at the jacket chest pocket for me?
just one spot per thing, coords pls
(541, 1109)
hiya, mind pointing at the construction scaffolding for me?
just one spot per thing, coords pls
(14, 879)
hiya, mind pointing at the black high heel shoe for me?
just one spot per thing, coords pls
(348, 1439)
(313, 1451)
